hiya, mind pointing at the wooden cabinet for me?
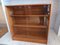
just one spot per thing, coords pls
(29, 22)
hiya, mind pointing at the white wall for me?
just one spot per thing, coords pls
(54, 13)
(57, 24)
(55, 18)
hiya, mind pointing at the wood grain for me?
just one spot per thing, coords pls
(29, 22)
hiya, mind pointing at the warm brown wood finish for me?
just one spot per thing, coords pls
(29, 22)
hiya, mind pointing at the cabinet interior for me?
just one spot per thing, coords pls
(30, 22)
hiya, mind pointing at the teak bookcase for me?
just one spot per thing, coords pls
(29, 22)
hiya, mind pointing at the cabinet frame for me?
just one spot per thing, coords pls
(10, 21)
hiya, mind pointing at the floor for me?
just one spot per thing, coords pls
(53, 39)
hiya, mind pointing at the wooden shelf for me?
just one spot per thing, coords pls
(29, 15)
(31, 21)
(36, 26)
(41, 39)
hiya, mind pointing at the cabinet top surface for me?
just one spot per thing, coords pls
(25, 2)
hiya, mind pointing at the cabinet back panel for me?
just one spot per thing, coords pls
(30, 10)
(30, 31)
(29, 20)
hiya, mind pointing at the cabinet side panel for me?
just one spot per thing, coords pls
(10, 22)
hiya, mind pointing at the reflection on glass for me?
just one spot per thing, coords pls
(3, 26)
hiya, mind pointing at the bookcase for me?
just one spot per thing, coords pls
(29, 22)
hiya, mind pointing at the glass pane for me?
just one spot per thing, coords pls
(3, 25)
